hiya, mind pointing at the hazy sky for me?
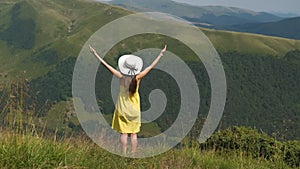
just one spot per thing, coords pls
(287, 6)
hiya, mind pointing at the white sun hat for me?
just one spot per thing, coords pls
(130, 64)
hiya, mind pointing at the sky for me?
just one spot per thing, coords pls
(283, 6)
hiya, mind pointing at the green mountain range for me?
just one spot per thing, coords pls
(211, 15)
(202, 15)
(220, 17)
(40, 40)
(288, 28)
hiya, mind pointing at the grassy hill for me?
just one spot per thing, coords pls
(225, 41)
(262, 80)
(34, 151)
(36, 35)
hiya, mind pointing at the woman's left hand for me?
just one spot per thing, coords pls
(92, 49)
(164, 50)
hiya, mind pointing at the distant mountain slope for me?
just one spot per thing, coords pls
(221, 18)
(213, 15)
(288, 28)
(285, 14)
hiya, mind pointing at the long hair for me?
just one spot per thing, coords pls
(132, 86)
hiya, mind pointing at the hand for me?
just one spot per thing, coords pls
(163, 50)
(92, 49)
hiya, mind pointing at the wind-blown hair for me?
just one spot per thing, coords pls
(132, 86)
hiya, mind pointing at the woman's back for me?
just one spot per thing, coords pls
(127, 116)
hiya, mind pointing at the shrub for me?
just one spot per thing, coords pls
(254, 144)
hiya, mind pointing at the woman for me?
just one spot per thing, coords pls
(127, 115)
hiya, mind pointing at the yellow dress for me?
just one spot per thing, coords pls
(127, 114)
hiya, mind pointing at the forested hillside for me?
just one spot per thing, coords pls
(288, 28)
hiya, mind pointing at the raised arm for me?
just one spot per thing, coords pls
(147, 70)
(110, 68)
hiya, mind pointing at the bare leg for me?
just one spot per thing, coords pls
(123, 139)
(134, 142)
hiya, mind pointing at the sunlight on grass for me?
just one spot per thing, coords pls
(26, 151)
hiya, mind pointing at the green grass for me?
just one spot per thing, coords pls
(56, 115)
(25, 151)
(150, 129)
(5, 19)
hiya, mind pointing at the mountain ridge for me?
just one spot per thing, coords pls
(220, 17)
(205, 14)
(261, 78)
(287, 28)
